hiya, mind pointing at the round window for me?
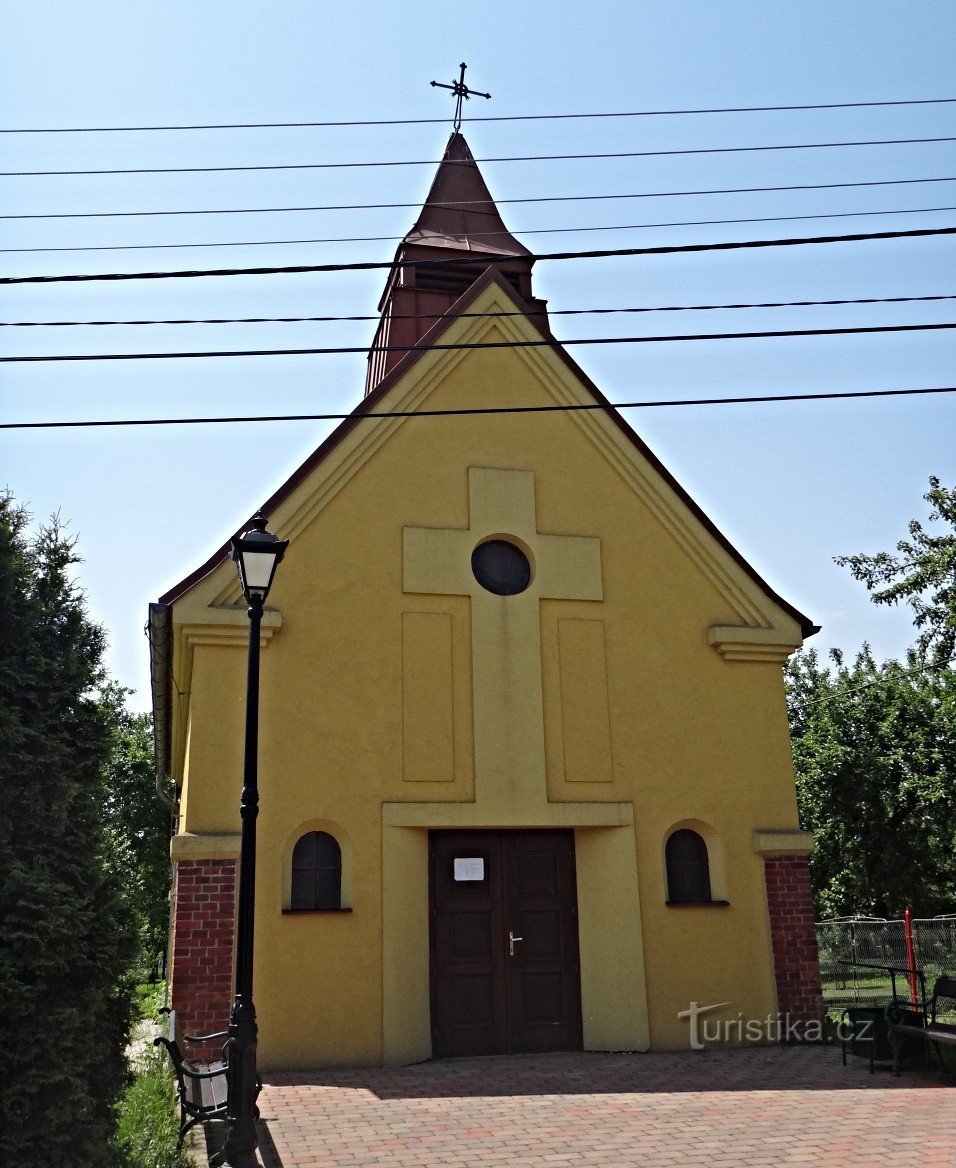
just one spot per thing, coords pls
(501, 567)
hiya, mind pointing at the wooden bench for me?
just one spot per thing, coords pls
(911, 1022)
(201, 1088)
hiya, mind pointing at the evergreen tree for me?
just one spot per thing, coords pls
(66, 934)
(137, 823)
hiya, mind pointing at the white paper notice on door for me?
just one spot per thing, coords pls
(469, 868)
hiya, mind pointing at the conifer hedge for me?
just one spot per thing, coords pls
(67, 938)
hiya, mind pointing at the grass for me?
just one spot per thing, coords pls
(869, 988)
(148, 997)
(147, 1115)
(148, 1127)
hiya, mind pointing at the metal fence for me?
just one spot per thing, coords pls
(151, 970)
(849, 945)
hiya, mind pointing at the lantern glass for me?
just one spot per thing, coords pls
(257, 568)
(257, 552)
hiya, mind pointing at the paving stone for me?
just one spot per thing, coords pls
(751, 1108)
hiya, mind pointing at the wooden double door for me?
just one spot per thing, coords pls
(505, 976)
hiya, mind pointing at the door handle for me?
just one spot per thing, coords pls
(512, 940)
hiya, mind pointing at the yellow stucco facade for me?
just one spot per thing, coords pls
(633, 688)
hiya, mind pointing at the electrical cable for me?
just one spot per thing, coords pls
(891, 182)
(477, 234)
(484, 258)
(856, 330)
(471, 161)
(436, 316)
(839, 693)
(359, 414)
(658, 113)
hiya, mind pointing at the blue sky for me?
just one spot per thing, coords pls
(792, 485)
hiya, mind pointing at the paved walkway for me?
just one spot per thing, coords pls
(754, 1108)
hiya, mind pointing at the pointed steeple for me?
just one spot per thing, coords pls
(459, 212)
(458, 221)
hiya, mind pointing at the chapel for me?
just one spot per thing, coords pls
(524, 760)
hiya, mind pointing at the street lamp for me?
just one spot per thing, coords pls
(257, 553)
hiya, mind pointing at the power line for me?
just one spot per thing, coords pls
(474, 234)
(360, 414)
(457, 347)
(468, 162)
(436, 316)
(488, 258)
(892, 182)
(890, 677)
(657, 113)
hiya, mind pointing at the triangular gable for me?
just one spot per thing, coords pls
(349, 446)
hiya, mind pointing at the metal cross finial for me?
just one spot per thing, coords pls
(461, 92)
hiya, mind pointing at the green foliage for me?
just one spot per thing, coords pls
(137, 823)
(67, 937)
(923, 575)
(874, 749)
(148, 1128)
(148, 997)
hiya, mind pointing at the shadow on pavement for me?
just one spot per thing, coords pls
(215, 1133)
(778, 1068)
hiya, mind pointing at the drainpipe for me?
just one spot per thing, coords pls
(159, 631)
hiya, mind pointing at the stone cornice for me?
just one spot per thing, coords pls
(477, 815)
(225, 616)
(788, 841)
(223, 635)
(228, 625)
(204, 846)
(745, 643)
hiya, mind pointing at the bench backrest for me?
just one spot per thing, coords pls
(170, 1022)
(175, 1056)
(171, 1045)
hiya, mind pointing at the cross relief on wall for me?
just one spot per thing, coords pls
(505, 630)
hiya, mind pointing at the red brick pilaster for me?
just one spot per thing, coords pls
(201, 959)
(795, 960)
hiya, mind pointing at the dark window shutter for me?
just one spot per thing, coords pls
(688, 869)
(316, 873)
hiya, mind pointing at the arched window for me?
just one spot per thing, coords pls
(316, 873)
(688, 869)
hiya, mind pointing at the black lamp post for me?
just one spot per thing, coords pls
(257, 553)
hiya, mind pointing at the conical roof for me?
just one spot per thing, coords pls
(458, 235)
(459, 212)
